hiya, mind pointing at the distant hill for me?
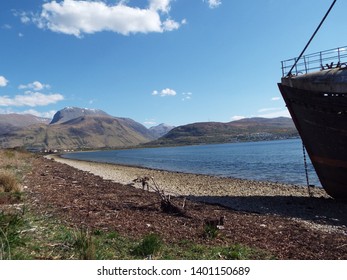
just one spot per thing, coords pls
(160, 130)
(251, 129)
(11, 122)
(76, 128)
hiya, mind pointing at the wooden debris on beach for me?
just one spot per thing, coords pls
(144, 182)
(166, 204)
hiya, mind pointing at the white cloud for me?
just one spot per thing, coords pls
(213, 3)
(48, 114)
(236, 118)
(31, 99)
(6, 26)
(88, 17)
(169, 25)
(165, 92)
(150, 123)
(266, 113)
(6, 111)
(3, 81)
(31, 112)
(268, 110)
(274, 113)
(24, 17)
(34, 86)
(160, 5)
(275, 98)
(187, 96)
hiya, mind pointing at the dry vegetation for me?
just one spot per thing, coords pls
(13, 165)
(65, 213)
(8, 183)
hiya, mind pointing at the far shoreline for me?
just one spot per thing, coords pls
(270, 177)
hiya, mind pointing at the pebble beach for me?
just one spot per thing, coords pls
(269, 198)
(177, 183)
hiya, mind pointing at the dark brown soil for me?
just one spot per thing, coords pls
(81, 199)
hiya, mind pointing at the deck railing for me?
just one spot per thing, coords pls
(316, 61)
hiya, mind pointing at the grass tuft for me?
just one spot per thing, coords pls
(150, 245)
(10, 234)
(210, 232)
(84, 244)
(9, 183)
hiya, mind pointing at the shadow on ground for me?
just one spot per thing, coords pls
(319, 210)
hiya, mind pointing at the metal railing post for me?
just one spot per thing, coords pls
(338, 54)
(304, 57)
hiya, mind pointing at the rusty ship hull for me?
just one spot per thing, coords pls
(317, 103)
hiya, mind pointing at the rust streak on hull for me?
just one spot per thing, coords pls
(329, 162)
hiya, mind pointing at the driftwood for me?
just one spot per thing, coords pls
(143, 181)
(166, 204)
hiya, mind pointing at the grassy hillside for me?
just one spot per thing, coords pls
(254, 129)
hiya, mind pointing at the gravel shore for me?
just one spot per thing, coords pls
(186, 184)
(319, 211)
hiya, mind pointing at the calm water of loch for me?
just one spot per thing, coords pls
(275, 161)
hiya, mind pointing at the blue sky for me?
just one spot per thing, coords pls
(157, 61)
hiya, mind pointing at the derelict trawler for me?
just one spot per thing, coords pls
(314, 88)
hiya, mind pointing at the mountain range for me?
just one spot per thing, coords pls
(77, 128)
(74, 128)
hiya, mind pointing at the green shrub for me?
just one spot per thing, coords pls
(210, 232)
(84, 244)
(150, 245)
(237, 252)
